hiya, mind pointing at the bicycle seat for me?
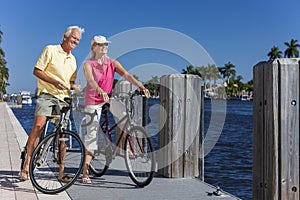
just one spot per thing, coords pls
(55, 112)
(65, 109)
(105, 108)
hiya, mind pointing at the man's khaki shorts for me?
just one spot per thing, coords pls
(48, 105)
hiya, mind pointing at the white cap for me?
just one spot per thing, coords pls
(99, 39)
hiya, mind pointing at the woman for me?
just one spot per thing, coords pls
(99, 72)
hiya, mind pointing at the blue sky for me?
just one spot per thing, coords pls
(239, 31)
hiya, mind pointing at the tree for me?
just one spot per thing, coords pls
(153, 86)
(213, 74)
(239, 85)
(4, 75)
(227, 71)
(292, 49)
(189, 70)
(274, 53)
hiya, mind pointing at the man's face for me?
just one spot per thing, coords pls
(73, 40)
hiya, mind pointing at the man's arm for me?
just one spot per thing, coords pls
(74, 86)
(43, 76)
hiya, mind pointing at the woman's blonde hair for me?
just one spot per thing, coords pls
(93, 54)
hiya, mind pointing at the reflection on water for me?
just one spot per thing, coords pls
(228, 164)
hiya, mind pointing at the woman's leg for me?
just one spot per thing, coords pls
(89, 156)
(90, 139)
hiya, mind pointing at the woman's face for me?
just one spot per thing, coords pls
(101, 48)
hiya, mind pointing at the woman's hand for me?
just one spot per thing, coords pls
(146, 92)
(103, 95)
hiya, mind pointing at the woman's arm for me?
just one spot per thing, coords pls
(128, 77)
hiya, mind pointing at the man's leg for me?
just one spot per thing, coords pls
(32, 142)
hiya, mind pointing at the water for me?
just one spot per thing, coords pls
(228, 165)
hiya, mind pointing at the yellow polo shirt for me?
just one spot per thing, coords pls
(56, 63)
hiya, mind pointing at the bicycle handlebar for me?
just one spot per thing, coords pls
(80, 108)
(130, 94)
(128, 98)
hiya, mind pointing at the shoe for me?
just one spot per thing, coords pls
(24, 175)
(86, 180)
(64, 178)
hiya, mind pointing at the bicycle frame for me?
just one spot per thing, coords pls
(58, 129)
(108, 129)
(132, 139)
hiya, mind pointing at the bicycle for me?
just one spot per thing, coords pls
(139, 152)
(60, 148)
(50, 120)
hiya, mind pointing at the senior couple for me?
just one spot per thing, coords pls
(55, 70)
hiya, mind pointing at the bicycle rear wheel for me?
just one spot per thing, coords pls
(46, 159)
(102, 156)
(139, 156)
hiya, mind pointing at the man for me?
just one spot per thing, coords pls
(56, 73)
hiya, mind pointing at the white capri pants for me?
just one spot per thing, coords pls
(117, 108)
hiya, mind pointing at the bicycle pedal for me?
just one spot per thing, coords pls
(23, 154)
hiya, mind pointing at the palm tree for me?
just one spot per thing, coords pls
(292, 49)
(189, 70)
(274, 53)
(213, 74)
(202, 72)
(4, 75)
(1, 35)
(239, 83)
(153, 86)
(3, 79)
(227, 71)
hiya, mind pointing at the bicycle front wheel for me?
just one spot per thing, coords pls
(63, 151)
(139, 156)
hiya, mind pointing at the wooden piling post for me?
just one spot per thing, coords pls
(178, 140)
(276, 130)
(140, 103)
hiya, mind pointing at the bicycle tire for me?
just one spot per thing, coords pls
(102, 156)
(44, 167)
(24, 152)
(139, 156)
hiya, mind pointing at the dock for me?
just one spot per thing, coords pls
(116, 184)
(14, 105)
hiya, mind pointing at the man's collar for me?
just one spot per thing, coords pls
(60, 50)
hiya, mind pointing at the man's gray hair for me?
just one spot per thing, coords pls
(69, 30)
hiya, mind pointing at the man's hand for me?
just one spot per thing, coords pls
(76, 87)
(61, 86)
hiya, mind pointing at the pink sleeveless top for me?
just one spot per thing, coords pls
(104, 76)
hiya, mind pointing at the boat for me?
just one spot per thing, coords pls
(245, 97)
(209, 94)
(26, 97)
